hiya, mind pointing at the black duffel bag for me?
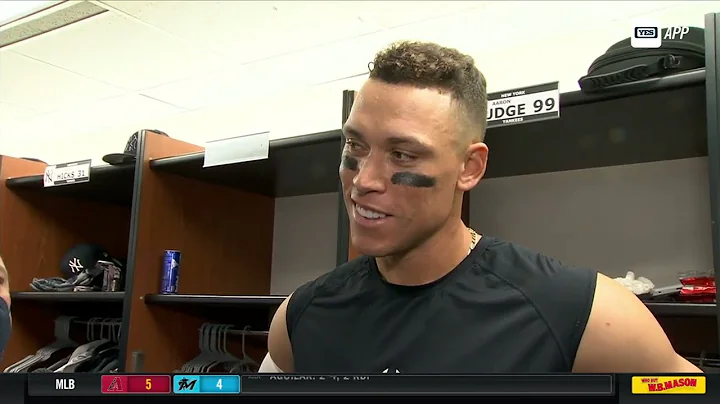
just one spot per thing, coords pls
(622, 63)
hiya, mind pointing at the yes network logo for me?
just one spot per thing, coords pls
(647, 34)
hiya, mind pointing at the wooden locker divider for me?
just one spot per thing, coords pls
(225, 236)
(27, 336)
(37, 227)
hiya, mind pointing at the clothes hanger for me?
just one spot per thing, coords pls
(212, 349)
(245, 364)
(230, 359)
(224, 357)
(191, 364)
(62, 341)
(206, 350)
(104, 355)
(78, 367)
(86, 351)
(214, 352)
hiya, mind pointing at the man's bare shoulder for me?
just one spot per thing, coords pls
(622, 336)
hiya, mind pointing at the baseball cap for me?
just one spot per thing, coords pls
(83, 257)
(131, 149)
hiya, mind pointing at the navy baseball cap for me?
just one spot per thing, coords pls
(131, 148)
(83, 257)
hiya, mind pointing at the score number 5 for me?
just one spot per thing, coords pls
(148, 384)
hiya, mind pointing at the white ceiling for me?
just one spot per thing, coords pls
(187, 55)
(174, 62)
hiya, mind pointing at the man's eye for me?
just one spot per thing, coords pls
(403, 157)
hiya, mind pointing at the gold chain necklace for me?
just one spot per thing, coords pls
(475, 238)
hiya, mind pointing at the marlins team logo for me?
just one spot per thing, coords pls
(668, 385)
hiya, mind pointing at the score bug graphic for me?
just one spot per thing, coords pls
(127, 384)
(206, 384)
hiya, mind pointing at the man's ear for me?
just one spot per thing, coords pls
(474, 167)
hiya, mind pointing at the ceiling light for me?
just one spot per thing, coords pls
(11, 10)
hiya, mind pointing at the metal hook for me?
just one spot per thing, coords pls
(90, 331)
(119, 329)
(225, 334)
(105, 330)
(245, 330)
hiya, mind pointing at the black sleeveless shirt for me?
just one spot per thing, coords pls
(504, 309)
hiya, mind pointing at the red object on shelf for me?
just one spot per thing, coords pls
(698, 287)
(698, 290)
(698, 279)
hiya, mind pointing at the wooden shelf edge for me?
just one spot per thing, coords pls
(97, 173)
(683, 309)
(213, 300)
(60, 297)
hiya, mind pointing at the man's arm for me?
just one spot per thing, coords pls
(622, 336)
(280, 357)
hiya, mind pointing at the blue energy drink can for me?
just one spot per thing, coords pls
(170, 272)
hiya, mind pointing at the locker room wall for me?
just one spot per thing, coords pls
(304, 240)
(653, 218)
(650, 218)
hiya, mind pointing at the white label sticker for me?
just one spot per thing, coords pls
(523, 105)
(67, 173)
(238, 149)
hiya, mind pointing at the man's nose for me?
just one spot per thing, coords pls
(370, 176)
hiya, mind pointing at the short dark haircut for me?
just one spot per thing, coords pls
(429, 65)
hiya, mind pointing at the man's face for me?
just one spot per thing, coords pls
(400, 166)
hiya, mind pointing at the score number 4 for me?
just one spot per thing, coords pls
(220, 384)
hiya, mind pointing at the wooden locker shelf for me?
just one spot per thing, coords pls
(302, 165)
(108, 184)
(213, 300)
(59, 297)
